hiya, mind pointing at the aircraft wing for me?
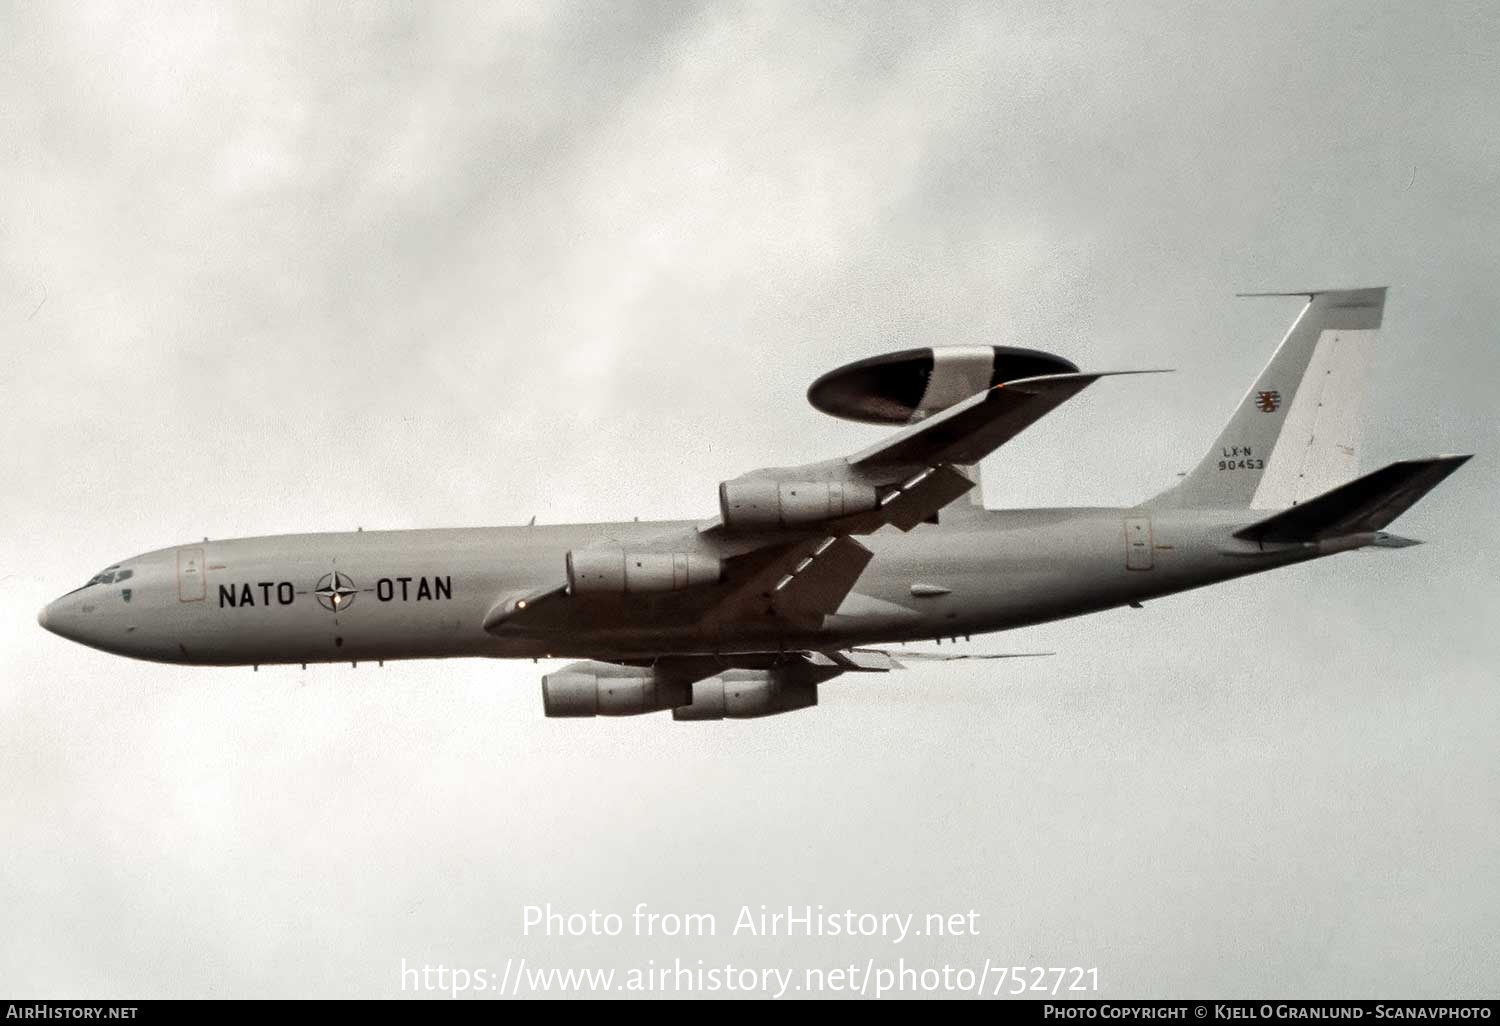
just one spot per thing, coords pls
(897, 660)
(799, 582)
(971, 430)
(904, 480)
(787, 545)
(796, 582)
(913, 501)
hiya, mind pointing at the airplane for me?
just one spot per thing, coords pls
(806, 572)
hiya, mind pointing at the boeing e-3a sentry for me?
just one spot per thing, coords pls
(805, 571)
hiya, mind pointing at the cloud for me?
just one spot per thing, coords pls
(320, 266)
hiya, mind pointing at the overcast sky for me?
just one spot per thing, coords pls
(274, 268)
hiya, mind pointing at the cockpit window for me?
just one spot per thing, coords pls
(109, 575)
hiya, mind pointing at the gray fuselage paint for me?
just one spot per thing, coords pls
(424, 594)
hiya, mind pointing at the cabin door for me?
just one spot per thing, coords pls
(191, 584)
(1137, 543)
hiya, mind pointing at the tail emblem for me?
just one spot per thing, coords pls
(1268, 402)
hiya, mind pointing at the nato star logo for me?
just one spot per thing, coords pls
(335, 591)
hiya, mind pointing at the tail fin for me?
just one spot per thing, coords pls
(1363, 506)
(1296, 433)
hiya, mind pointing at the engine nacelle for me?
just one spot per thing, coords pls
(745, 695)
(599, 689)
(750, 503)
(617, 572)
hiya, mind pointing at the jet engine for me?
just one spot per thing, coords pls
(604, 689)
(746, 694)
(752, 503)
(607, 689)
(617, 572)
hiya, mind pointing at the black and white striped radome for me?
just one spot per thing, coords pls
(898, 388)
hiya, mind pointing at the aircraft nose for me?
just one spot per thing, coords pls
(61, 617)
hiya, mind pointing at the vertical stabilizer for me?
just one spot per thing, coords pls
(1296, 433)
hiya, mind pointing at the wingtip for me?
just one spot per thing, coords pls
(1088, 377)
(1312, 293)
(1453, 460)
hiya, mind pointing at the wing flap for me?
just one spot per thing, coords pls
(752, 578)
(898, 659)
(914, 502)
(819, 583)
(800, 583)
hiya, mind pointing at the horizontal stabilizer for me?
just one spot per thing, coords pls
(1362, 506)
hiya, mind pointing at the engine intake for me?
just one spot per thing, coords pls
(617, 572)
(580, 690)
(746, 695)
(751, 503)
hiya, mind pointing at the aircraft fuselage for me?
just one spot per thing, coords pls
(424, 594)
